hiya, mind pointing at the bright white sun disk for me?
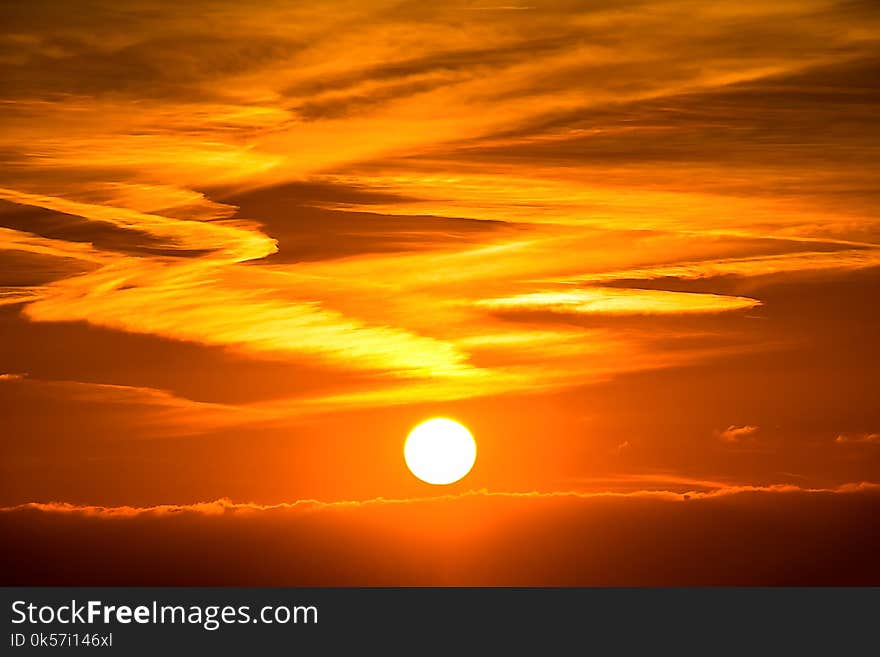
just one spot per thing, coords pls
(440, 451)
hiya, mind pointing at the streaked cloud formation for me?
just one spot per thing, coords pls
(621, 302)
(394, 118)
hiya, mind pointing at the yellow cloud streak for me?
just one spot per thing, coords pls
(613, 301)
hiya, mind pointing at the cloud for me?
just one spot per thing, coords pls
(619, 301)
(845, 259)
(472, 539)
(227, 506)
(659, 480)
(430, 122)
(870, 438)
(735, 434)
(126, 412)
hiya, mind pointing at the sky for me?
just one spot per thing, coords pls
(633, 246)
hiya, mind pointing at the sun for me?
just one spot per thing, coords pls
(440, 451)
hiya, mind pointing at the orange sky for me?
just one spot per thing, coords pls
(244, 249)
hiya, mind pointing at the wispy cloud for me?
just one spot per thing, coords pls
(735, 434)
(865, 438)
(614, 301)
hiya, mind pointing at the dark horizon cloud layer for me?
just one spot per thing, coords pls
(786, 537)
